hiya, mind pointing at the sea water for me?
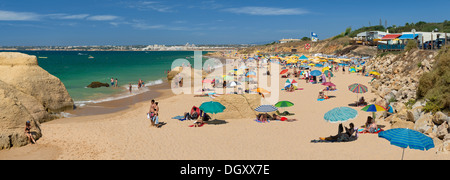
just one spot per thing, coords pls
(76, 70)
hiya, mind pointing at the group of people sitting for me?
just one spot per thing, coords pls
(198, 115)
(351, 133)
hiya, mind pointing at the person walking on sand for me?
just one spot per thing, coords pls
(28, 132)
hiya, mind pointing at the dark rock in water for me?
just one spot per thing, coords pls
(97, 85)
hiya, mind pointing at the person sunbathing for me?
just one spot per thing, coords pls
(370, 126)
(321, 95)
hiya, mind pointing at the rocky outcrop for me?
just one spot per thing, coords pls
(434, 125)
(22, 72)
(400, 74)
(97, 84)
(238, 106)
(27, 93)
(398, 84)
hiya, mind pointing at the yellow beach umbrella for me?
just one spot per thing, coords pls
(260, 90)
(311, 64)
(375, 73)
(325, 68)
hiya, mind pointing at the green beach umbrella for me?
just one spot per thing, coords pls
(212, 107)
(284, 104)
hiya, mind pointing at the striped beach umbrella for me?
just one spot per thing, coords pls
(404, 138)
(340, 114)
(373, 108)
(266, 108)
(357, 88)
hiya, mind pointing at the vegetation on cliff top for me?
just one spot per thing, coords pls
(435, 85)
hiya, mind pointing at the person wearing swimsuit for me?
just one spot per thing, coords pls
(28, 132)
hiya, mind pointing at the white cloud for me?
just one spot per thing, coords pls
(102, 18)
(144, 26)
(76, 16)
(18, 16)
(152, 5)
(265, 11)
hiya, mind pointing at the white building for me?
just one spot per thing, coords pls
(282, 41)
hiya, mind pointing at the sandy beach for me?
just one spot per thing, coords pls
(127, 134)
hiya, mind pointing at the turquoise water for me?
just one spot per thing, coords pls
(77, 71)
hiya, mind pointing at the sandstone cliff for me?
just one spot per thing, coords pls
(27, 93)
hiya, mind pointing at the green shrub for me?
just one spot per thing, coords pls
(435, 85)
(411, 45)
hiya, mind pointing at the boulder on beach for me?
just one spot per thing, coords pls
(27, 93)
(238, 106)
(97, 84)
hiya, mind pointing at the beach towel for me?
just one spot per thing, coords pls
(322, 141)
(181, 118)
(198, 125)
(257, 120)
(376, 132)
(320, 99)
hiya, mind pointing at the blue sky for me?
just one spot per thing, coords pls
(115, 22)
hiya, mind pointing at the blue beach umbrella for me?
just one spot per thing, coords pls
(266, 108)
(404, 138)
(316, 73)
(340, 114)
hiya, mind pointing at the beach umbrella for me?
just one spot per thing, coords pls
(266, 108)
(316, 73)
(404, 138)
(375, 73)
(207, 81)
(228, 78)
(311, 64)
(212, 107)
(234, 83)
(328, 84)
(328, 73)
(357, 88)
(373, 108)
(325, 68)
(251, 73)
(284, 104)
(284, 71)
(340, 114)
(260, 90)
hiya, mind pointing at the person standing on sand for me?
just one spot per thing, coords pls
(155, 118)
(151, 111)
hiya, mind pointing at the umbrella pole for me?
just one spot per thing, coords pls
(403, 153)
